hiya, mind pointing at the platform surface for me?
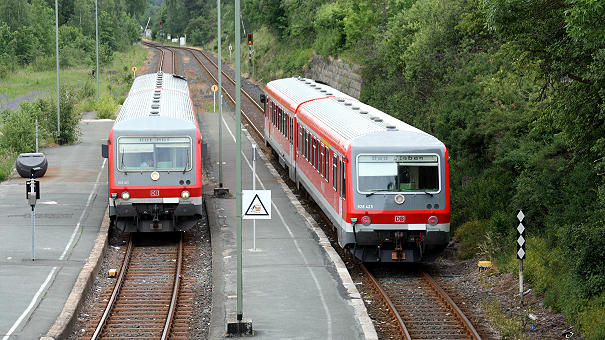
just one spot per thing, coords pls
(68, 216)
(292, 288)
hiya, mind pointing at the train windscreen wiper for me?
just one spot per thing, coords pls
(428, 193)
(187, 164)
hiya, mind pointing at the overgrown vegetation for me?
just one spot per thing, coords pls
(515, 89)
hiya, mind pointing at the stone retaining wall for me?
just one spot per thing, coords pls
(336, 73)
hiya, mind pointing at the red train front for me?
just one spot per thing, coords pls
(154, 154)
(383, 183)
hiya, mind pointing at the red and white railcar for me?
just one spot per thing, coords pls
(154, 158)
(383, 183)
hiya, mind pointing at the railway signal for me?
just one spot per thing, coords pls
(250, 39)
(521, 250)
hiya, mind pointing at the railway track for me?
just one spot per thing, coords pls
(167, 60)
(251, 110)
(146, 296)
(421, 309)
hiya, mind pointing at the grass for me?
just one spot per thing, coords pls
(510, 327)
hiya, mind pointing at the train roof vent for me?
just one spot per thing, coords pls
(330, 94)
(348, 104)
(363, 112)
(378, 120)
(154, 112)
(155, 106)
(340, 100)
(178, 76)
(307, 82)
(312, 85)
(391, 127)
(323, 91)
(355, 108)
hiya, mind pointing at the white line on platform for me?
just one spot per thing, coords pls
(53, 271)
(31, 304)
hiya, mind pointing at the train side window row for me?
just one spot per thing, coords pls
(282, 121)
(317, 154)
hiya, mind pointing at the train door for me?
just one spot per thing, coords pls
(290, 128)
(343, 189)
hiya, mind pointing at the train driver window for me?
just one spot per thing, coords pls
(398, 173)
(154, 153)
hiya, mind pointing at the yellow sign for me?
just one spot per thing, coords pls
(134, 69)
(214, 88)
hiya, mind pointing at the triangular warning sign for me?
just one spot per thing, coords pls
(256, 208)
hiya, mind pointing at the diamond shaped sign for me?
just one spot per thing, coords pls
(521, 241)
(520, 215)
(521, 254)
(521, 228)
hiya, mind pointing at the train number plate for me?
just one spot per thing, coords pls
(399, 219)
(154, 193)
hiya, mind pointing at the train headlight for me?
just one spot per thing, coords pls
(185, 194)
(399, 199)
(366, 220)
(125, 195)
(433, 220)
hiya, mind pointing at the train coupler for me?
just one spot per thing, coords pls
(398, 254)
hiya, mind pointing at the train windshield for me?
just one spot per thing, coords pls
(154, 154)
(398, 173)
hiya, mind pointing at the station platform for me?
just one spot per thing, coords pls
(295, 286)
(68, 215)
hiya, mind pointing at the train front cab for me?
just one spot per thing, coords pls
(154, 182)
(400, 211)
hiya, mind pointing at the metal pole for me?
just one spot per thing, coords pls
(33, 231)
(521, 280)
(220, 98)
(57, 49)
(238, 159)
(36, 135)
(97, 37)
(254, 188)
(214, 102)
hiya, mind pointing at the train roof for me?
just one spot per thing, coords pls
(157, 95)
(340, 112)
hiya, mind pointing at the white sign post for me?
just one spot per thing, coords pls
(256, 204)
(214, 88)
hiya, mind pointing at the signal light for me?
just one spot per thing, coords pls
(250, 39)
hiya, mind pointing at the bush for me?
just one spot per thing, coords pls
(470, 235)
(7, 159)
(17, 132)
(106, 108)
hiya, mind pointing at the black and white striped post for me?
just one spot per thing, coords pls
(521, 250)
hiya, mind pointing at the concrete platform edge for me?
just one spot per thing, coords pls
(361, 313)
(62, 326)
(218, 314)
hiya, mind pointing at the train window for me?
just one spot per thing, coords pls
(314, 156)
(291, 130)
(398, 173)
(321, 158)
(334, 171)
(154, 153)
(327, 164)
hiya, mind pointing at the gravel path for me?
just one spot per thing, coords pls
(14, 104)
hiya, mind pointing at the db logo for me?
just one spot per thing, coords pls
(399, 219)
(155, 193)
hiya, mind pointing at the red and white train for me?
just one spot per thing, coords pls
(383, 183)
(154, 158)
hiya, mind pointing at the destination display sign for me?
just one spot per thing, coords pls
(398, 158)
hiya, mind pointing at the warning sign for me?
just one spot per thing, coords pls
(256, 204)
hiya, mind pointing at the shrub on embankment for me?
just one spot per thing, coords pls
(17, 129)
